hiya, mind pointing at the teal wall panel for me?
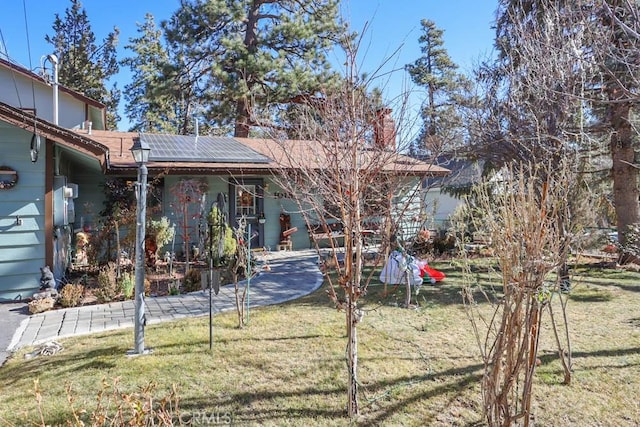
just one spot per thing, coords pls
(19, 253)
(22, 247)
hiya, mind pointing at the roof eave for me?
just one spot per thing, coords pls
(68, 138)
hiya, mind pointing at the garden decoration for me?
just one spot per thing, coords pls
(82, 243)
(217, 230)
(47, 284)
(404, 268)
(8, 178)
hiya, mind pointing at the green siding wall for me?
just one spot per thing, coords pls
(90, 180)
(22, 247)
(273, 206)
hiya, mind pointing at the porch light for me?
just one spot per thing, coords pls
(261, 218)
(140, 151)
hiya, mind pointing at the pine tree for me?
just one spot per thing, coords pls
(85, 66)
(617, 54)
(239, 56)
(436, 72)
(149, 108)
(593, 97)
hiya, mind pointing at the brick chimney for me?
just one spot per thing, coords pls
(384, 130)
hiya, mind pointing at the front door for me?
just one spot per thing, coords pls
(247, 201)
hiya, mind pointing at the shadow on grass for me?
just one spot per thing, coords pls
(452, 382)
(202, 345)
(558, 373)
(622, 286)
(609, 283)
(11, 374)
(634, 322)
(259, 407)
(597, 353)
(248, 406)
(591, 295)
(462, 378)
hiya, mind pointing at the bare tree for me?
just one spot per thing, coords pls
(348, 172)
(534, 121)
(520, 214)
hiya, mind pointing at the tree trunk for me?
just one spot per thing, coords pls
(240, 298)
(243, 116)
(407, 297)
(118, 250)
(242, 119)
(625, 175)
(352, 359)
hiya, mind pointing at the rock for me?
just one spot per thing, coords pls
(41, 304)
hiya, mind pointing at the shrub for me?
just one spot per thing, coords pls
(443, 245)
(435, 245)
(127, 286)
(71, 295)
(161, 229)
(191, 281)
(108, 288)
(115, 406)
(230, 242)
(174, 288)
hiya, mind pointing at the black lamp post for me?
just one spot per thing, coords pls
(140, 151)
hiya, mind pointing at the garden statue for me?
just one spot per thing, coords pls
(82, 241)
(47, 284)
(285, 224)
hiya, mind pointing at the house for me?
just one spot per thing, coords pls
(443, 195)
(39, 150)
(47, 200)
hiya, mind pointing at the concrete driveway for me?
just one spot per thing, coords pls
(11, 315)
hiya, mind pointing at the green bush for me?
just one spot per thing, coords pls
(127, 286)
(174, 288)
(161, 229)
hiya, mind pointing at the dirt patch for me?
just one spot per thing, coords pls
(160, 284)
(161, 281)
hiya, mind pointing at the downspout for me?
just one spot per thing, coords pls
(54, 61)
(56, 160)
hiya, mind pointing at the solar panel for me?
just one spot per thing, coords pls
(207, 149)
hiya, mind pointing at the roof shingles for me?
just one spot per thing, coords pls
(280, 154)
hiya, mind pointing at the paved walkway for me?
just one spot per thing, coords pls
(292, 275)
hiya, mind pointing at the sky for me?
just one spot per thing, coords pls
(390, 30)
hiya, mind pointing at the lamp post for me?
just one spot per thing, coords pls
(140, 151)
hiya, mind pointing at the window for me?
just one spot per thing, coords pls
(246, 200)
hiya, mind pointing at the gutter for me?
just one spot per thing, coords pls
(33, 124)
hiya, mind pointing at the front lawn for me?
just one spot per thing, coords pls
(416, 367)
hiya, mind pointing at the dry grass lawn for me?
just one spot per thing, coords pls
(417, 367)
